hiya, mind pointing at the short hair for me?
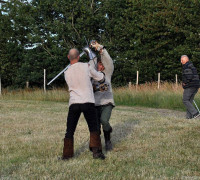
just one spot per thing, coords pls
(184, 56)
(73, 54)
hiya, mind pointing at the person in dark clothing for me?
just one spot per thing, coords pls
(190, 83)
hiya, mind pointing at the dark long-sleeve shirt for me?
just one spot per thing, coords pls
(190, 77)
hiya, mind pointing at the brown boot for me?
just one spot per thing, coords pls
(95, 145)
(68, 149)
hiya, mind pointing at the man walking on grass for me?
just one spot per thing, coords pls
(190, 83)
(104, 101)
(78, 77)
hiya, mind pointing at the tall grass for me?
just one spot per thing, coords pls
(148, 95)
(169, 95)
(36, 94)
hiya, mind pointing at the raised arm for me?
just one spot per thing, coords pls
(105, 58)
(107, 62)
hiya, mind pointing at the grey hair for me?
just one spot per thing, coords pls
(73, 55)
(184, 56)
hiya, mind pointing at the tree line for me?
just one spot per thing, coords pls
(141, 35)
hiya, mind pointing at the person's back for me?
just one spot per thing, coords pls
(78, 79)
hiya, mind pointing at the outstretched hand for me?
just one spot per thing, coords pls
(96, 45)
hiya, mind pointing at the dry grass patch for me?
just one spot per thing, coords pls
(148, 144)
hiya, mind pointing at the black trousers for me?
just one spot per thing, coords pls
(90, 114)
(188, 97)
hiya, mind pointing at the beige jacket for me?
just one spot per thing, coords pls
(106, 97)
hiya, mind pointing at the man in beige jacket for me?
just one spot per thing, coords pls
(104, 101)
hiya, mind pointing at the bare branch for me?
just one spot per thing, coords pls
(46, 49)
(96, 10)
(73, 24)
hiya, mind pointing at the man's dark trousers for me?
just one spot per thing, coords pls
(104, 113)
(188, 97)
(90, 114)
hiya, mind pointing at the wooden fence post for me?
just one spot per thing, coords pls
(158, 80)
(129, 85)
(176, 81)
(44, 80)
(137, 80)
(27, 84)
(0, 86)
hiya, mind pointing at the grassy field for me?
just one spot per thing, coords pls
(148, 144)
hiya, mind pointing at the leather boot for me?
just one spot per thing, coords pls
(108, 143)
(95, 145)
(97, 154)
(68, 149)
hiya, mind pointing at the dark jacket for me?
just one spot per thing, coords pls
(190, 77)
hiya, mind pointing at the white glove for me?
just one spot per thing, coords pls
(96, 45)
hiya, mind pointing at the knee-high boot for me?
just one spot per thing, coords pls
(68, 149)
(108, 143)
(95, 145)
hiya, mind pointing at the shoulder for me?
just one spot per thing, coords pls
(190, 64)
(68, 69)
(78, 65)
(82, 64)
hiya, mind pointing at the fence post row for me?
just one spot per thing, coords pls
(129, 85)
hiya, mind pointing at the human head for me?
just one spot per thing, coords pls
(100, 66)
(73, 55)
(184, 59)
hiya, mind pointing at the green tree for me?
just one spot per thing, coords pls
(57, 26)
(13, 38)
(146, 35)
